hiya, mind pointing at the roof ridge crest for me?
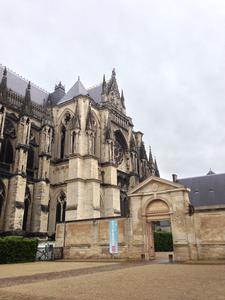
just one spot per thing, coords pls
(23, 78)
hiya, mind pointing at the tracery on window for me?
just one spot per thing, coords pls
(118, 153)
(61, 208)
(120, 147)
(9, 130)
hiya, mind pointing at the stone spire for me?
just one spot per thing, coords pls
(108, 131)
(3, 84)
(122, 99)
(75, 123)
(89, 120)
(151, 162)
(114, 73)
(112, 86)
(132, 143)
(143, 154)
(48, 115)
(103, 85)
(150, 158)
(156, 169)
(26, 108)
(27, 98)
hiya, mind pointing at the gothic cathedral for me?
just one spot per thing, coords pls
(66, 156)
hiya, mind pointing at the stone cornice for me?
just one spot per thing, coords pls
(23, 146)
(83, 180)
(108, 185)
(158, 192)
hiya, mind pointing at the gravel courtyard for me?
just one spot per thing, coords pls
(81, 280)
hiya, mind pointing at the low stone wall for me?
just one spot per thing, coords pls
(88, 239)
(209, 228)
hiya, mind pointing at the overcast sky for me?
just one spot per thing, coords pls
(169, 58)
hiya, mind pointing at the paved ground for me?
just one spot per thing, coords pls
(41, 267)
(69, 280)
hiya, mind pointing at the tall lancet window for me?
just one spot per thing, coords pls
(62, 142)
(61, 208)
(6, 154)
(30, 162)
(2, 197)
(27, 200)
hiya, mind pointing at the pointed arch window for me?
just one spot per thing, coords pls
(124, 206)
(120, 147)
(62, 141)
(61, 208)
(2, 196)
(6, 154)
(27, 200)
(30, 162)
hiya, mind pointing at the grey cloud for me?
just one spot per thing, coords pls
(169, 57)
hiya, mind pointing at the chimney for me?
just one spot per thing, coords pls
(174, 177)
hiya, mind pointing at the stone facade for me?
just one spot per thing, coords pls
(199, 235)
(66, 156)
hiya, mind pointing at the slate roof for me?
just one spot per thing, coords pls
(76, 90)
(18, 84)
(95, 92)
(206, 190)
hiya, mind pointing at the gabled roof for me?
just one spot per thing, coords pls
(155, 179)
(76, 90)
(18, 84)
(206, 190)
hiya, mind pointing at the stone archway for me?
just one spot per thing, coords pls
(159, 199)
(156, 210)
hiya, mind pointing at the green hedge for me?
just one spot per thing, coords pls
(163, 241)
(17, 249)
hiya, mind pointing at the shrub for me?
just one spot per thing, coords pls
(163, 241)
(17, 249)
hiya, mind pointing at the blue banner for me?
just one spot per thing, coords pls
(113, 236)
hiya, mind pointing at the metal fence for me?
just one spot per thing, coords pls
(46, 252)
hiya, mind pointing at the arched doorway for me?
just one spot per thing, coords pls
(157, 220)
(27, 200)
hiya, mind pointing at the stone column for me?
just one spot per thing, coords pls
(41, 188)
(17, 184)
(111, 191)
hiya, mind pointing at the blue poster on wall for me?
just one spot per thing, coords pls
(113, 236)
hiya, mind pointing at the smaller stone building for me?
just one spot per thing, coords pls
(207, 195)
(198, 232)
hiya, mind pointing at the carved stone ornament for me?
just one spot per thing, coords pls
(9, 129)
(118, 153)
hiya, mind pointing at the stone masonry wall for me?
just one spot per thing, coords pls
(90, 239)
